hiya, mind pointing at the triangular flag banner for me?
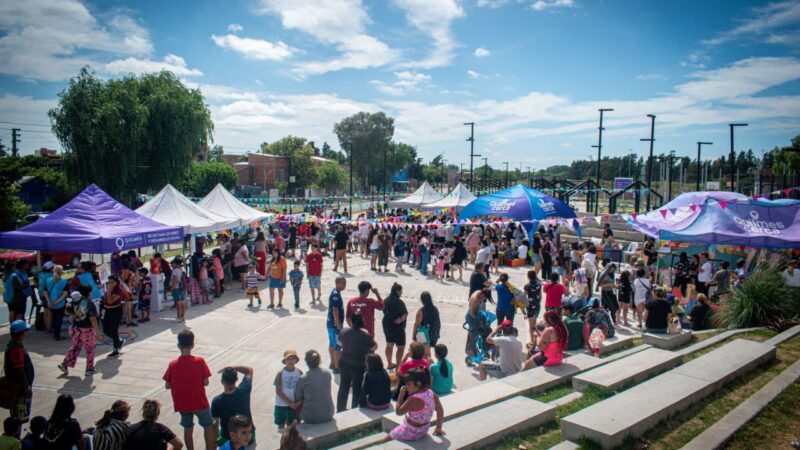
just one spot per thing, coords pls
(673, 210)
(663, 213)
(633, 216)
(786, 192)
(723, 204)
(693, 207)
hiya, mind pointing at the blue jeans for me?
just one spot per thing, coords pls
(296, 290)
(424, 255)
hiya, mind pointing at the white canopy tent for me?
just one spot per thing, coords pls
(424, 195)
(458, 198)
(170, 207)
(222, 202)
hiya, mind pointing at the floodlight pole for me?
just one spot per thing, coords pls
(733, 154)
(699, 164)
(599, 147)
(652, 139)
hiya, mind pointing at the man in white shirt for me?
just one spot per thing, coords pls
(792, 275)
(510, 349)
(448, 233)
(484, 255)
(704, 274)
(522, 251)
(363, 233)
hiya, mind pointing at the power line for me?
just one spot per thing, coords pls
(28, 131)
(27, 124)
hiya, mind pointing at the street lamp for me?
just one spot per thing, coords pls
(599, 147)
(733, 155)
(485, 169)
(669, 174)
(530, 177)
(699, 164)
(350, 146)
(444, 178)
(472, 155)
(506, 181)
(651, 140)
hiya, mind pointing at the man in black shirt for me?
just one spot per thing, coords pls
(340, 252)
(234, 400)
(657, 313)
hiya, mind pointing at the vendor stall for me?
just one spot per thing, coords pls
(223, 203)
(458, 198)
(170, 207)
(424, 195)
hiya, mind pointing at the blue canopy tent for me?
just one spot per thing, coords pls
(520, 203)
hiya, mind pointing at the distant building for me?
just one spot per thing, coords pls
(264, 170)
(47, 153)
(34, 192)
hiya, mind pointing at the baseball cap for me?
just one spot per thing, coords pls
(18, 326)
(75, 295)
(48, 265)
(507, 323)
(288, 354)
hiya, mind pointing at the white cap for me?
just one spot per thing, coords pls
(76, 295)
(48, 265)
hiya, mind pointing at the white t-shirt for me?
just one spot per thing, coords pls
(363, 231)
(510, 354)
(792, 280)
(522, 251)
(440, 232)
(448, 233)
(287, 381)
(705, 274)
(640, 288)
(484, 255)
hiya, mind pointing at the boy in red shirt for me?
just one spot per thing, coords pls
(314, 273)
(365, 305)
(553, 292)
(187, 376)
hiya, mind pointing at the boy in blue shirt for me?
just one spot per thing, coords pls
(296, 278)
(239, 430)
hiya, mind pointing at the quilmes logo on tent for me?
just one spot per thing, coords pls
(547, 207)
(502, 206)
(753, 225)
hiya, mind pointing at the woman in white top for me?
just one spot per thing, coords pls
(641, 286)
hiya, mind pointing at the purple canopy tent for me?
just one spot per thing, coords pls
(680, 215)
(92, 222)
(748, 224)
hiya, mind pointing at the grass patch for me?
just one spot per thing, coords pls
(775, 427)
(759, 335)
(549, 434)
(553, 393)
(678, 431)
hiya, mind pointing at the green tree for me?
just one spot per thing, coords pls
(11, 207)
(370, 134)
(204, 176)
(331, 176)
(788, 158)
(214, 154)
(111, 130)
(284, 146)
(299, 151)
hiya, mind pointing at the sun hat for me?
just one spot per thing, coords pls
(18, 326)
(288, 354)
(48, 265)
(76, 295)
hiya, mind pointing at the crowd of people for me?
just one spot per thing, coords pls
(586, 299)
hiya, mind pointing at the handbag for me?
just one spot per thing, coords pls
(424, 334)
(9, 392)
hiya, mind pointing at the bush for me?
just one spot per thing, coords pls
(763, 299)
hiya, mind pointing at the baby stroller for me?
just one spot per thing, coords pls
(477, 331)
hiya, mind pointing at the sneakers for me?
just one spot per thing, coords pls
(91, 371)
(271, 306)
(63, 368)
(259, 302)
(113, 354)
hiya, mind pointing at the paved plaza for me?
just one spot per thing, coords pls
(228, 333)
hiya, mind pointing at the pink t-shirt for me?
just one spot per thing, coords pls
(553, 294)
(413, 364)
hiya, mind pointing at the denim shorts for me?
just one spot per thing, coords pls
(333, 337)
(203, 418)
(314, 281)
(277, 283)
(537, 258)
(178, 294)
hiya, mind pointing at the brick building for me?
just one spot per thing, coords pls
(266, 171)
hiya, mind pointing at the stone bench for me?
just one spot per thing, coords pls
(619, 341)
(484, 427)
(322, 435)
(490, 392)
(635, 411)
(631, 370)
(667, 341)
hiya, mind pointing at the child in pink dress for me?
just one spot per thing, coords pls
(418, 402)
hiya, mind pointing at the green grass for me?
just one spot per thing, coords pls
(775, 427)
(759, 335)
(552, 393)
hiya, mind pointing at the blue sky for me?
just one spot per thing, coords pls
(530, 73)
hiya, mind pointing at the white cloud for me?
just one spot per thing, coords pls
(235, 28)
(541, 5)
(434, 18)
(340, 23)
(472, 74)
(25, 109)
(773, 23)
(745, 77)
(405, 82)
(257, 49)
(650, 76)
(492, 3)
(481, 52)
(171, 63)
(51, 41)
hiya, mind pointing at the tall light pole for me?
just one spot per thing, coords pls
(652, 139)
(384, 178)
(444, 178)
(350, 146)
(669, 174)
(472, 154)
(699, 164)
(505, 183)
(485, 169)
(530, 177)
(599, 147)
(460, 172)
(733, 154)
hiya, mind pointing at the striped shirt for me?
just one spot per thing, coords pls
(111, 436)
(252, 280)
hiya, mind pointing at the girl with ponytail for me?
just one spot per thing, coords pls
(551, 343)
(112, 429)
(417, 402)
(441, 372)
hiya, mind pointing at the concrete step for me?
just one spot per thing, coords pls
(322, 435)
(784, 336)
(489, 392)
(638, 409)
(713, 340)
(366, 441)
(482, 428)
(565, 445)
(631, 370)
(717, 435)
(667, 341)
(569, 398)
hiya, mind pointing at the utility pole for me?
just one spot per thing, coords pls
(733, 154)
(530, 177)
(15, 142)
(460, 172)
(472, 154)
(444, 179)
(669, 174)
(652, 139)
(350, 146)
(384, 177)
(699, 164)
(505, 183)
(599, 147)
(485, 170)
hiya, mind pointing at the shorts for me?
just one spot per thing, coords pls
(447, 267)
(537, 258)
(314, 281)
(206, 285)
(394, 335)
(178, 295)
(284, 415)
(18, 307)
(639, 301)
(539, 359)
(532, 310)
(494, 370)
(144, 304)
(333, 338)
(203, 418)
(253, 292)
(240, 269)
(373, 251)
(277, 283)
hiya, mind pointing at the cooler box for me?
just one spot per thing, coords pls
(517, 262)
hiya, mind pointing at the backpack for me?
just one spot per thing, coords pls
(649, 295)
